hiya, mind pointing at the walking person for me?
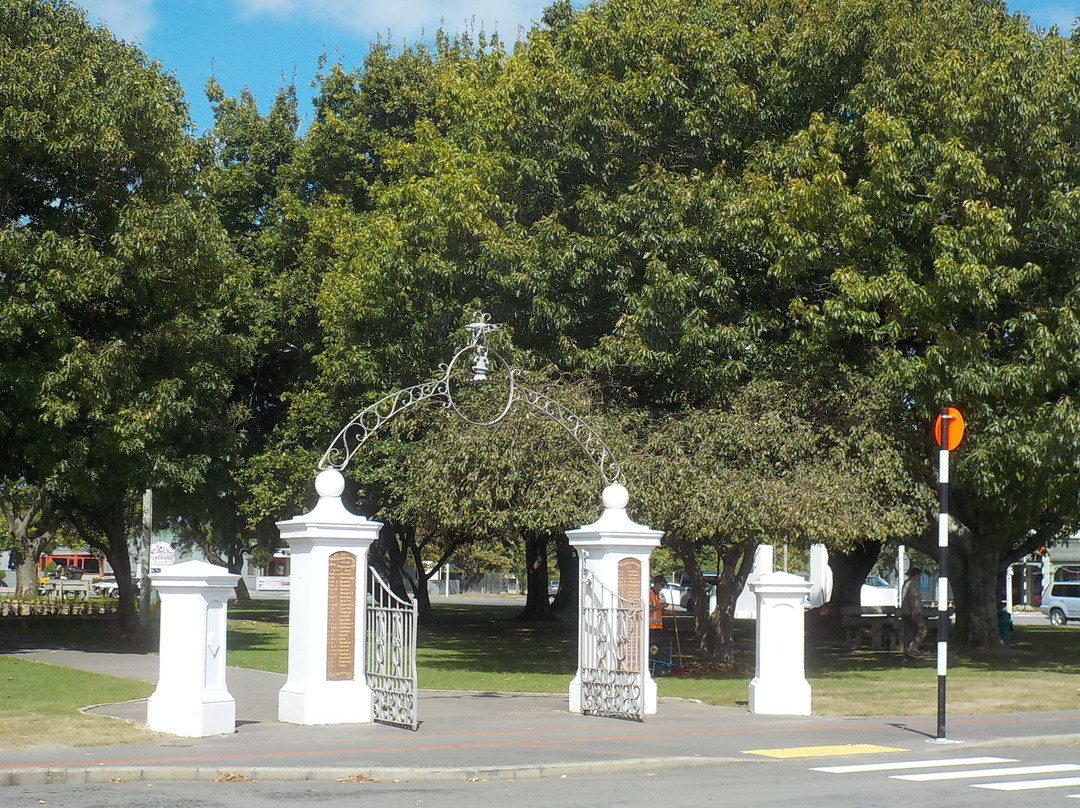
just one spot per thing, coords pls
(911, 613)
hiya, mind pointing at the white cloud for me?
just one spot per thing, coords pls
(130, 20)
(257, 8)
(405, 18)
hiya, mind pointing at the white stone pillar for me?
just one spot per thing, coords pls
(745, 602)
(613, 540)
(192, 699)
(779, 686)
(821, 576)
(327, 611)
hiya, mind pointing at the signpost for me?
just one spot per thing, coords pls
(948, 431)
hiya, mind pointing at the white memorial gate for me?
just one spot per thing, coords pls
(352, 643)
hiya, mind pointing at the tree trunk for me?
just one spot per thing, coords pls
(234, 564)
(705, 629)
(715, 631)
(394, 542)
(120, 560)
(974, 578)
(236, 567)
(977, 561)
(537, 606)
(31, 529)
(113, 524)
(26, 574)
(569, 594)
(423, 599)
(469, 580)
(241, 590)
(736, 563)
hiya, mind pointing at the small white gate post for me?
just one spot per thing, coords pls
(601, 546)
(327, 611)
(192, 699)
(779, 686)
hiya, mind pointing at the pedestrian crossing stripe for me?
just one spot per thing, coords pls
(898, 765)
(1007, 771)
(792, 752)
(1030, 785)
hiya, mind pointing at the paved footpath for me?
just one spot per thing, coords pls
(476, 735)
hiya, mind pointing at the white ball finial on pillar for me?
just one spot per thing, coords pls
(616, 496)
(330, 483)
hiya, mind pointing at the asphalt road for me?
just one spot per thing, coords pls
(768, 784)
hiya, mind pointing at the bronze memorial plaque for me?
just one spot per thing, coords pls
(630, 589)
(630, 579)
(341, 618)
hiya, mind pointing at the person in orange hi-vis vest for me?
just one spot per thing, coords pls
(659, 640)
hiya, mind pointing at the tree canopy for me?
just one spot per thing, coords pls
(809, 220)
(116, 279)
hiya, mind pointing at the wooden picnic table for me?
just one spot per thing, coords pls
(883, 624)
(61, 587)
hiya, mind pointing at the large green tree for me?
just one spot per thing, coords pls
(784, 463)
(116, 278)
(925, 221)
(247, 175)
(682, 199)
(713, 193)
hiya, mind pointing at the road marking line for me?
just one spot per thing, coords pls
(912, 764)
(1047, 768)
(1031, 785)
(824, 751)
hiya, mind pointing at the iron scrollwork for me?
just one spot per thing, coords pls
(485, 361)
(612, 679)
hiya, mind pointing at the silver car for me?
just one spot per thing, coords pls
(1061, 602)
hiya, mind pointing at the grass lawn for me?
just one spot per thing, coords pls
(484, 648)
(40, 704)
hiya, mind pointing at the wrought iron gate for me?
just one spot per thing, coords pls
(390, 655)
(612, 641)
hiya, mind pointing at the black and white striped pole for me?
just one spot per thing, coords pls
(948, 430)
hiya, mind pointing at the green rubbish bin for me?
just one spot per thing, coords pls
(1005, 626)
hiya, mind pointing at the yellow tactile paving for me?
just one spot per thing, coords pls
(824, 751)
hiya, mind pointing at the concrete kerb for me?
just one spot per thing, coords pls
(126, 774)
(1030, 740)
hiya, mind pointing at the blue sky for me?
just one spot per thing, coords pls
(260, 43)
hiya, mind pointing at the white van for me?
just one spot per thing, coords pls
(1061, 602)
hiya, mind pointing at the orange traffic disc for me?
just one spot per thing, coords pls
(956, 428)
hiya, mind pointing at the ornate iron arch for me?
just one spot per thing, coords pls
(370, 420)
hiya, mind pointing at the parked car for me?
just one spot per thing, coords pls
(1061, 602)
(107, 587)
(876, 591)
(671, 595)
(686, 598)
